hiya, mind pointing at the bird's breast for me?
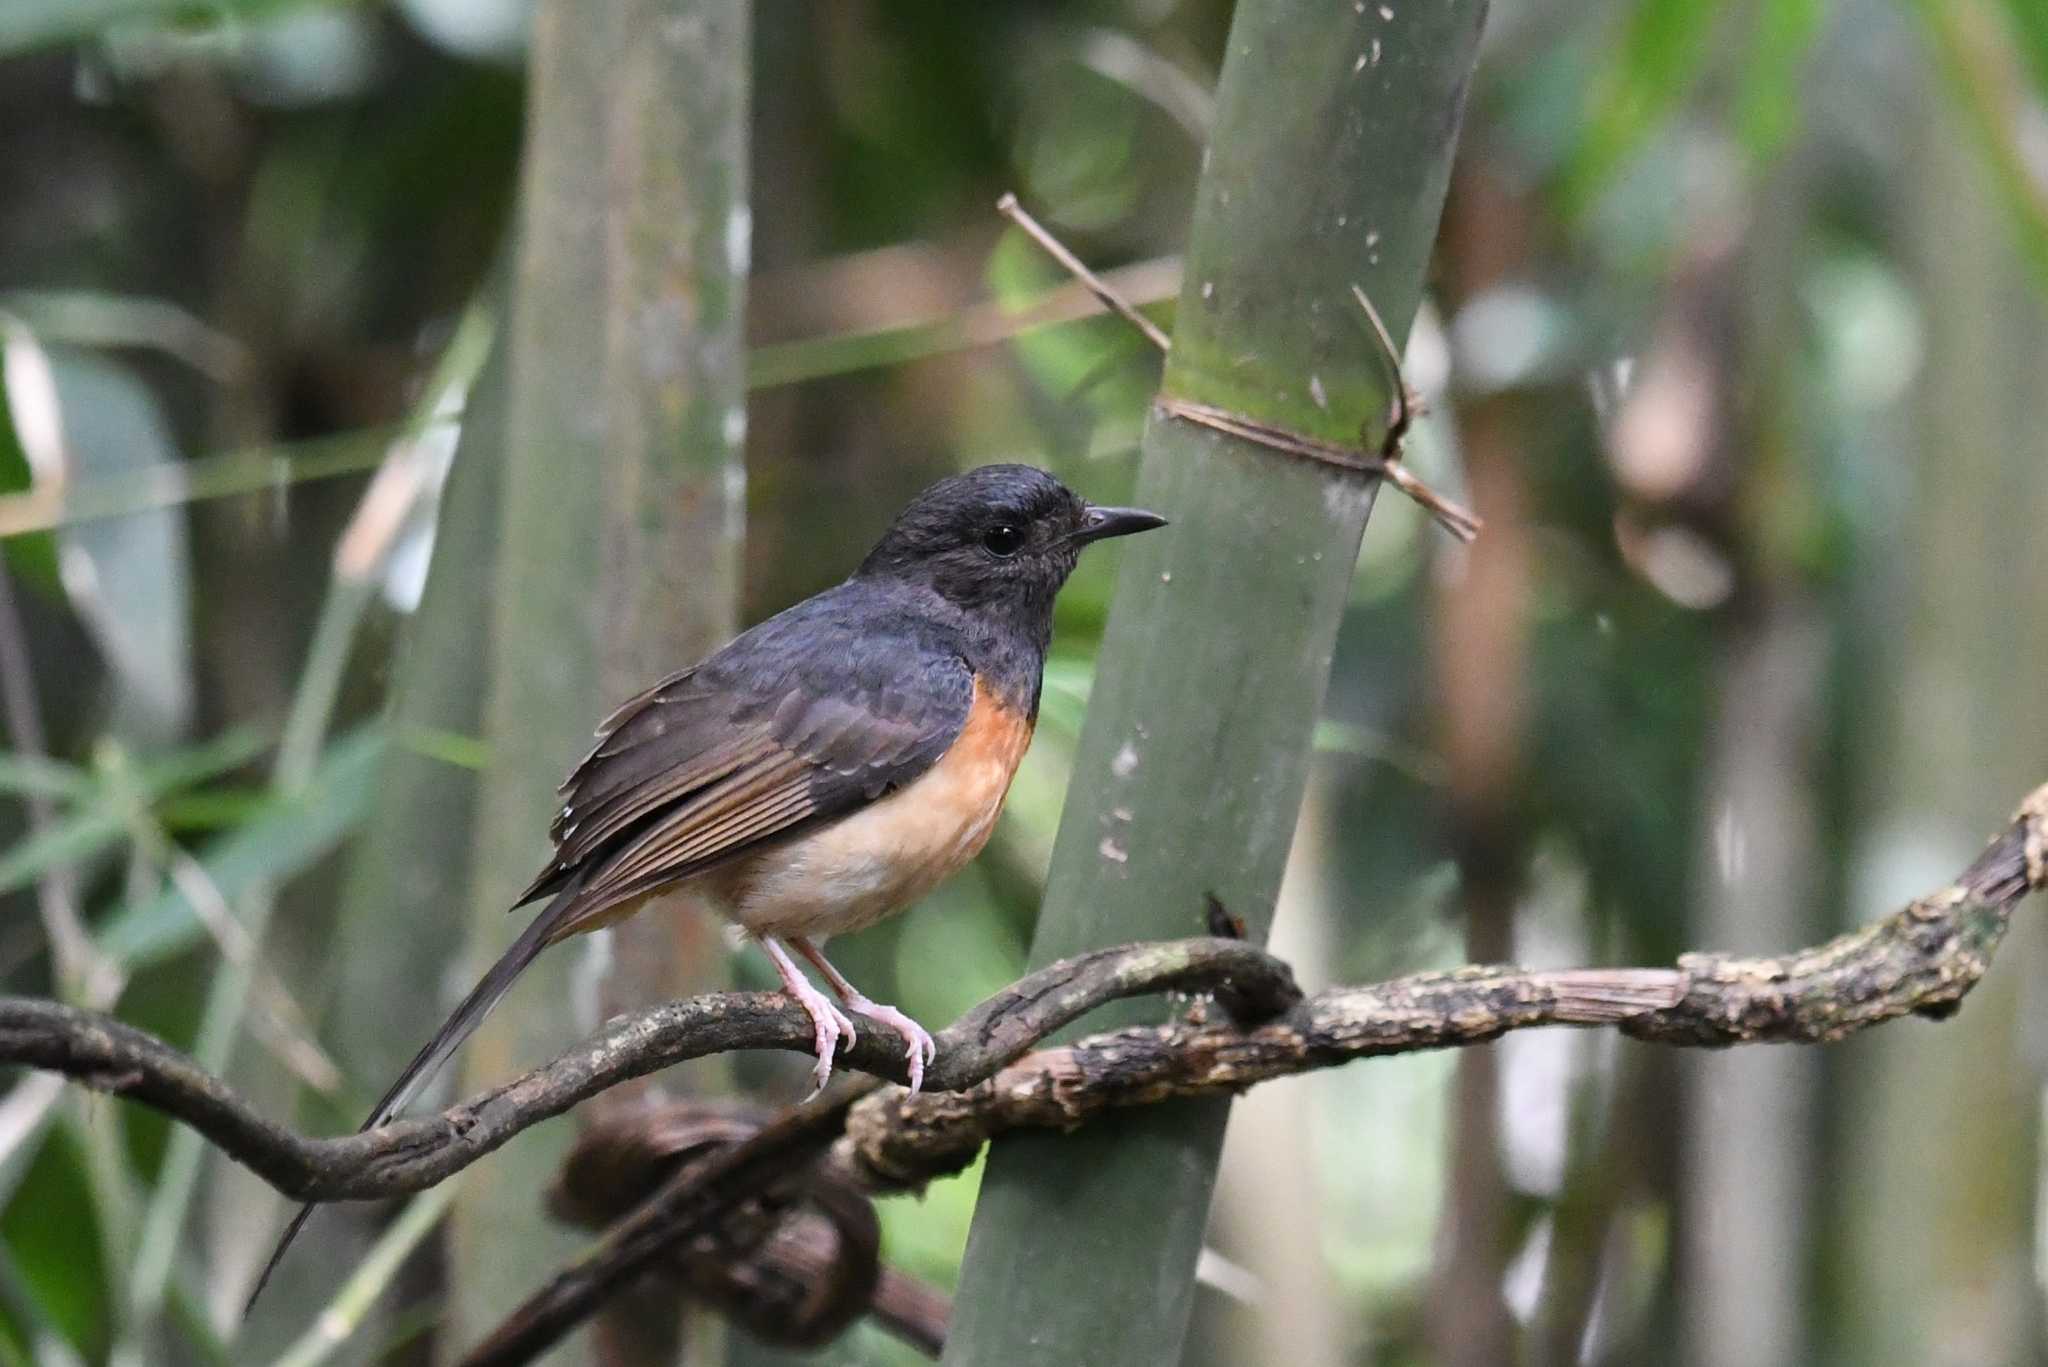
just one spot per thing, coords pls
(883, 857)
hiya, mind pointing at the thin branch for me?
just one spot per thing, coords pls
(1458, 521)
(1404, 401)
(796, 1270)
(896, 1141)
(686, 1204)
(1922, 959)
(82, 972)
(1009, 208)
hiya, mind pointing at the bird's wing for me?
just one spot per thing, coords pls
(762, 740)
(808, 716)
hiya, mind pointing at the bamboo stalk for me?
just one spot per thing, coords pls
(621, 527)
(1333, 139)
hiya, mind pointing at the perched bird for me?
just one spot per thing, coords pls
(826, 768)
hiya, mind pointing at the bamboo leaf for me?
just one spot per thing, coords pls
(287, 836)
(35, 776)
(2029, 19)
(192, 765)
(1768, 103)
(54, 1248)
(128, 581)
(99, 820)
(75, 838)
(29, 24)
(1663, 51)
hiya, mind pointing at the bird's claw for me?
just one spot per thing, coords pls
(921, 1049)
(829, 1027)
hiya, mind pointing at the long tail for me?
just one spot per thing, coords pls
(457, 1028)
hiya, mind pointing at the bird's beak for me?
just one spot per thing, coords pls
(1099, 524)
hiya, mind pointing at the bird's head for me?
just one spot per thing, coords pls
(1003, 537)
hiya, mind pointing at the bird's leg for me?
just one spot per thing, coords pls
(919, 1040)
(828, 1023)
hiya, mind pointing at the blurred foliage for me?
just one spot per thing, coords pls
(238, 243)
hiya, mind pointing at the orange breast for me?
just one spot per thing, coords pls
(890, 853)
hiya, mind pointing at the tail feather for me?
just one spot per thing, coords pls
(457, 1028)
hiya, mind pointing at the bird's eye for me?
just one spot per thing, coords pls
(1002, 540)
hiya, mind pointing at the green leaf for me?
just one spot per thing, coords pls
(1768, 102)
(215, 810)
(285, 837)
(2029, 20)
(33, 556)
(29, 24)
(35, 776)
(449, 747)
(200, 763)
(129, 580)
(55, 1242)
(73, 839)
(99, 818)
(1664, 50)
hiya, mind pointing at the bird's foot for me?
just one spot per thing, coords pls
(921, 1049)
(829, 1026)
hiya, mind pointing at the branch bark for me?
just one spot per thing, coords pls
(411, 1154)
(1922, 960)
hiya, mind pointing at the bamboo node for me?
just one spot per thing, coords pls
(1403, 407)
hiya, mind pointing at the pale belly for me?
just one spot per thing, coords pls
(882, 858)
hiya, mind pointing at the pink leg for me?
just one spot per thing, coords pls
(828, 1023)
(921, 1048)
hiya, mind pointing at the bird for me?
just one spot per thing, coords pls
(822, 770)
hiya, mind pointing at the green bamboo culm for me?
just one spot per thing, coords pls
(619, 540)
(1332, 148)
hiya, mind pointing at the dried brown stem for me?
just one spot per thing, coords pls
(1456, 520)
(1009, 208)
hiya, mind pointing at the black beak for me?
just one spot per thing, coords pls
(1099, 524)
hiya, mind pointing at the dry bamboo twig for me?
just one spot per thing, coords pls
(1456, 520)
(1009, 208)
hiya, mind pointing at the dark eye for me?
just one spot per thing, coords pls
(1002, 540)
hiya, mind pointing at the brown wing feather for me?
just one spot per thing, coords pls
(753, 803)
(642, 810)
(708, 763)
(580, 830)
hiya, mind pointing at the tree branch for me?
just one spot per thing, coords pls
(1922, 960)
(412, 1154)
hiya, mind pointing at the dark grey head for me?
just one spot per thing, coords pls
(1002, 538)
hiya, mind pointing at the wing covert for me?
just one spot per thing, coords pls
(771, 735)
